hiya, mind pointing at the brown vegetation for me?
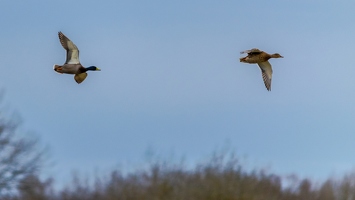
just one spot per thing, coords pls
(219, 179)
(224, 177)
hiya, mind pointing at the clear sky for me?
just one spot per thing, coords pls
(171, 81)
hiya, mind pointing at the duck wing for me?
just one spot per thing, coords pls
(266, 72)
(70, 47)
(80, 77)
(251, 51)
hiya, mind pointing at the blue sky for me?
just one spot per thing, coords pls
(171, 81)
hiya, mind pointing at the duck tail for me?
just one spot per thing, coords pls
(58, 68)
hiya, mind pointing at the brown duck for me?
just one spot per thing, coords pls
(256, 56)
(72, 64)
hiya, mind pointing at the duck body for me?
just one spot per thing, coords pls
(256, 56)
(73, 69)
(69, 68)
(72, 64)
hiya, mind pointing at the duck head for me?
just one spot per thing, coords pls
(276, 55)
(92, 68)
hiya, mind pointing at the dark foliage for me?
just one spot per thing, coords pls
(219, 179)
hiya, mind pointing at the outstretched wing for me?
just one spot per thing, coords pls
(251, 51)
(70, 47)
(80, 77)
(266, 72)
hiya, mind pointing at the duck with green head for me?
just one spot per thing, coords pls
(72, 64)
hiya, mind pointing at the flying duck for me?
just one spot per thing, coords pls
(72, 64)
(256, 56)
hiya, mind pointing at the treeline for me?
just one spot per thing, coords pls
(221, 178)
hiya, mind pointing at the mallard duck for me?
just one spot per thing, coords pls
(72, 64)
(256, 56)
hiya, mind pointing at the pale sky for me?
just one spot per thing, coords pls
(171, 81)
